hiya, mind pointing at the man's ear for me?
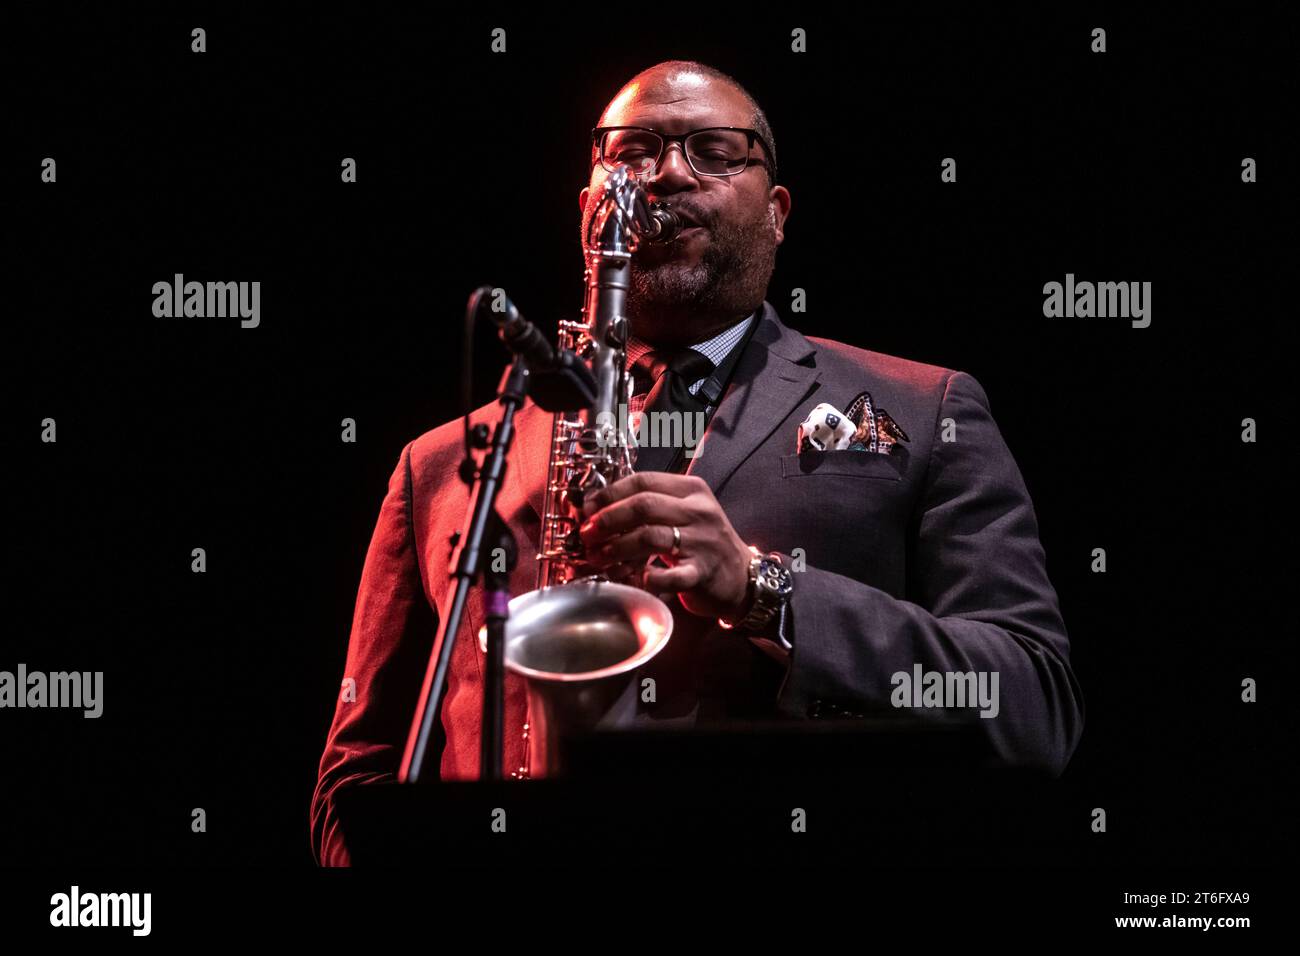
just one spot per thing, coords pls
(778, 210)
(582, 200)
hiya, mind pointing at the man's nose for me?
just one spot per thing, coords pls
(673, 172)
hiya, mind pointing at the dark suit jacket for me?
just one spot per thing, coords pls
(928, 555)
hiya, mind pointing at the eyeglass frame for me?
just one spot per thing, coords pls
(598, 133)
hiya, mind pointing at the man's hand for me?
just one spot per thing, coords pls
(633, 519)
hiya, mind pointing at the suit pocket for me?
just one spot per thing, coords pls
(853, 464)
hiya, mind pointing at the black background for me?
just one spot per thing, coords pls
(176, 433)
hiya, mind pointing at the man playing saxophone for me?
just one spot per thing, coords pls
(848, 517)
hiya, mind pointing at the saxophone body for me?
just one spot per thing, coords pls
(578, 637)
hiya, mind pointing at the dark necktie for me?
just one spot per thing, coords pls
(667, 378)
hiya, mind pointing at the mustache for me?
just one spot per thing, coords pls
(692, 216)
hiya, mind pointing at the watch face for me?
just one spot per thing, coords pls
(777, 578)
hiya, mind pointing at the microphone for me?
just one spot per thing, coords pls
(557, 381)
(664, 224)
(520, 336)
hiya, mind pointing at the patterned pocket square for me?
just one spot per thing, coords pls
(877, 431)
(862, 427)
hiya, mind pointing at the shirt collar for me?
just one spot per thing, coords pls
(715, 349)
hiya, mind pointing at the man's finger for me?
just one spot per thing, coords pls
(639, 544)
(678, 486)
(625, 572)
(680, 577)
(645, 508)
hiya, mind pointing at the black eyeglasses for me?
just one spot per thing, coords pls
(713, 151)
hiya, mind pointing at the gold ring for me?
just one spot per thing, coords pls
(677, 542)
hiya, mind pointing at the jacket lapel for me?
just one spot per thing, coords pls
(768, 384)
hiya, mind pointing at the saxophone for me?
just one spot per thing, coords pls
(577, 638)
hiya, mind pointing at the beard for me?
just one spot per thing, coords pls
(672, 300)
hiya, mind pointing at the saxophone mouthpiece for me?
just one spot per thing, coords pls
(665, 225)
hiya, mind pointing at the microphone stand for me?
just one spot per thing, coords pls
(563, 383)
(484, 532)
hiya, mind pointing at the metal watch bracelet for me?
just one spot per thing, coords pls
(764, 602)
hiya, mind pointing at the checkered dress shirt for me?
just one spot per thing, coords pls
(715, 350)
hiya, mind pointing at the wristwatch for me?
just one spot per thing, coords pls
(770, 587)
